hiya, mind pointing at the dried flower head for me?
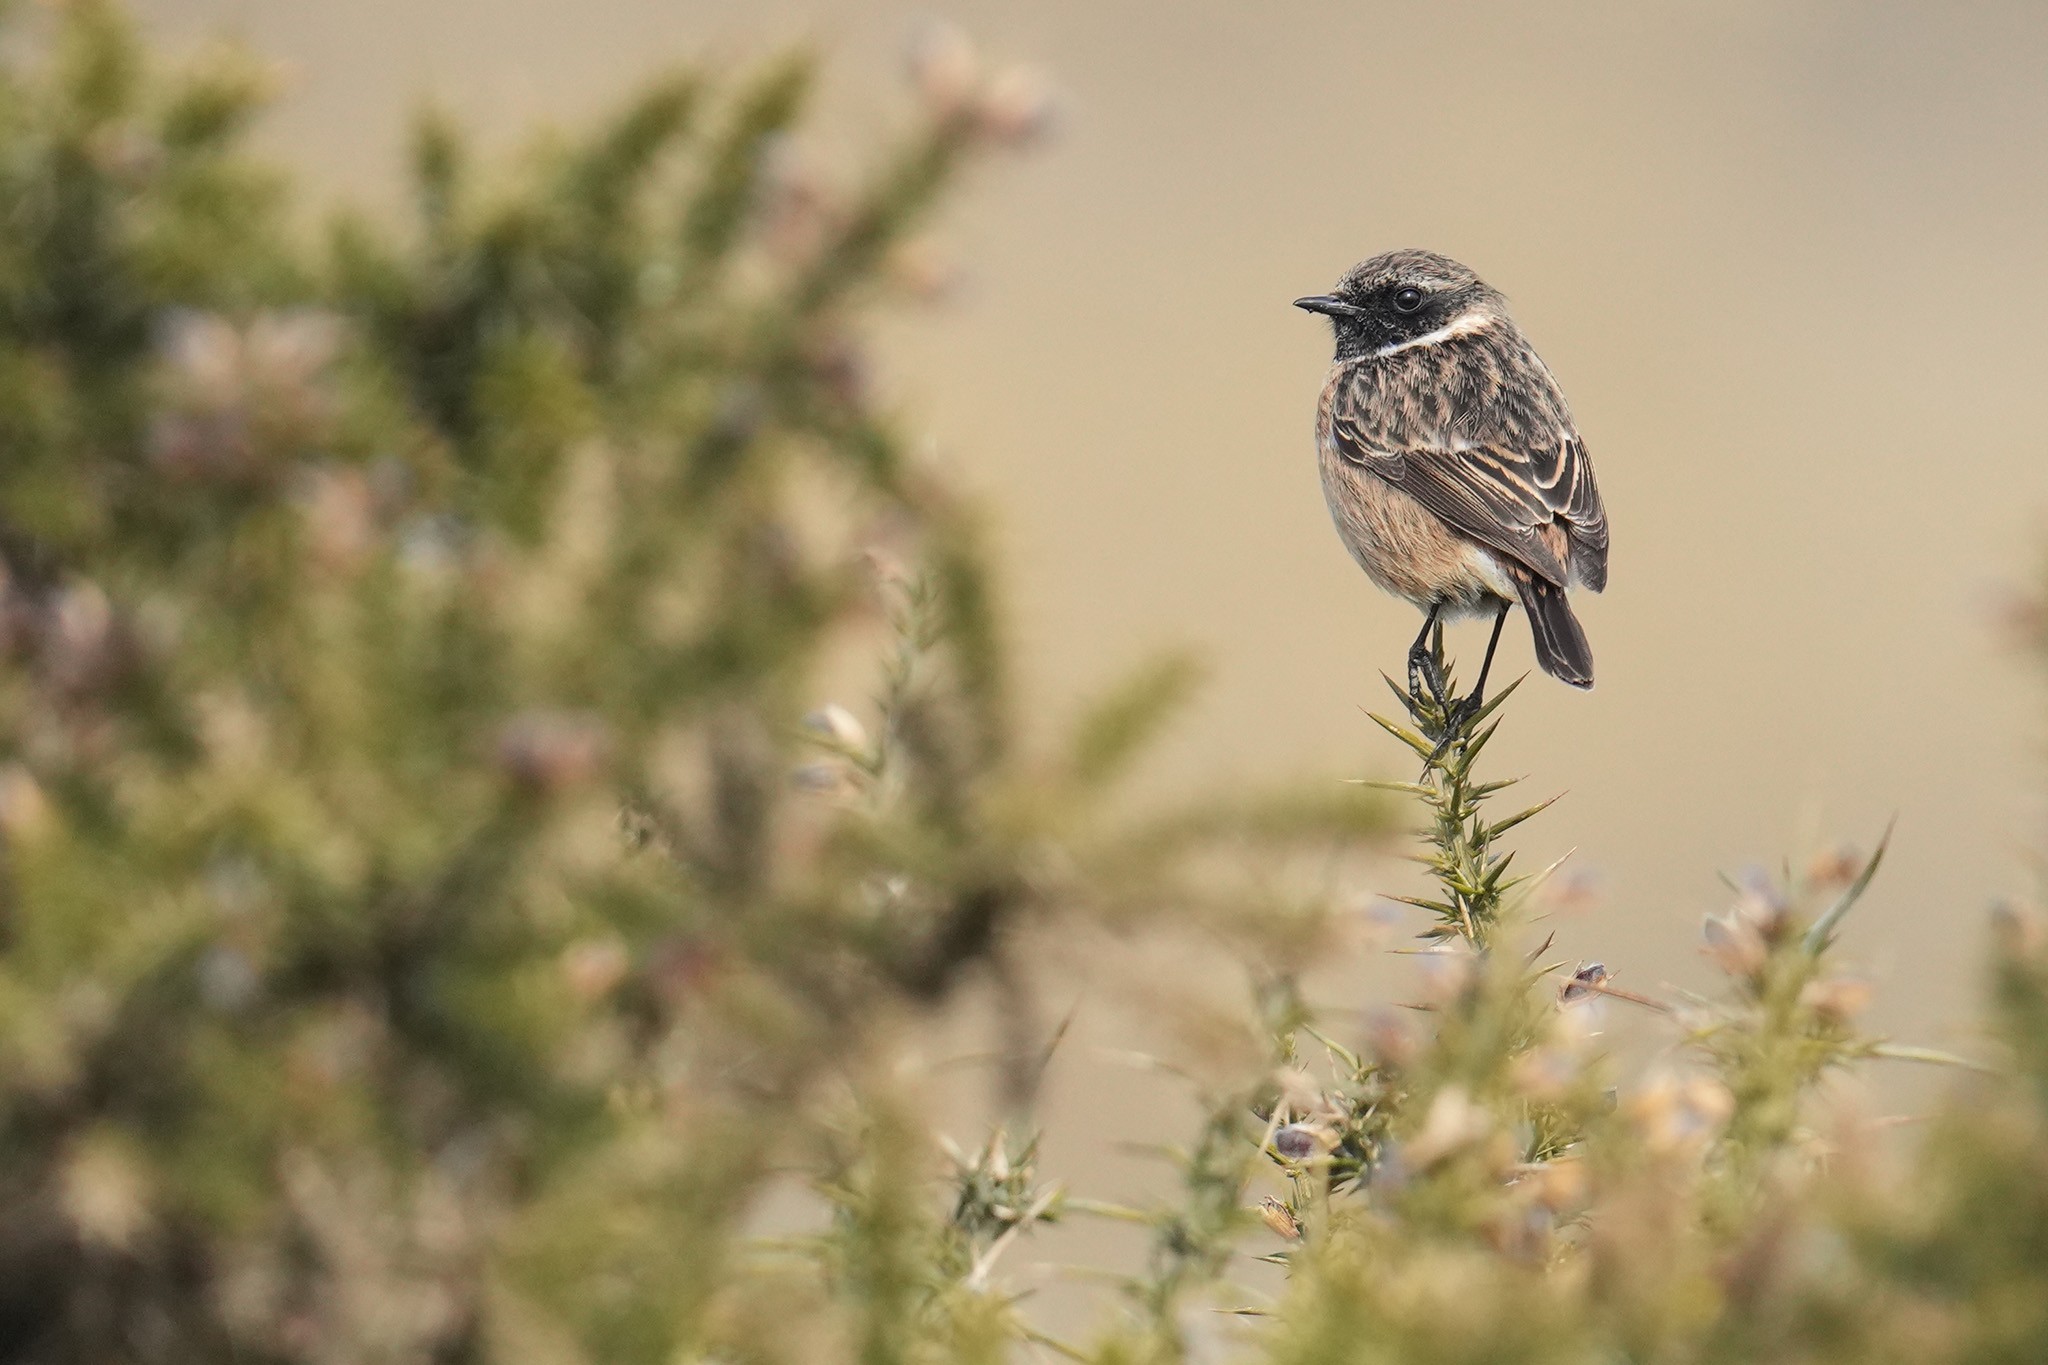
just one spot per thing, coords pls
(1734, 945)
(1278, 1217)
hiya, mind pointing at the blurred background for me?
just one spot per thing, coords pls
(1784, 258)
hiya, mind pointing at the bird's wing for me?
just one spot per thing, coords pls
(1501, 493)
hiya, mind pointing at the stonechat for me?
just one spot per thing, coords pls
(1450, 462)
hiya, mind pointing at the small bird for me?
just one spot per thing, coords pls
(1450, 462)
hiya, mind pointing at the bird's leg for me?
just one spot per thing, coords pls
(1420, 664)
(1458, 716)
(1500, 618)
(1433, 667)
(1469, 707)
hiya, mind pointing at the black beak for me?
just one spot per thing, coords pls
(1327, 304)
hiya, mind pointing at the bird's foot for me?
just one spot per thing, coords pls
(1461, 713)
(1457, 715)
(1424, 669)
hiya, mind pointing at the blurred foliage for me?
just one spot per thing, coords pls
(438, 917)
(430, 919)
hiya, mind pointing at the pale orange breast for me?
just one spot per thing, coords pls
(1406, 548)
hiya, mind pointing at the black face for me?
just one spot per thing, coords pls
(1374, 313)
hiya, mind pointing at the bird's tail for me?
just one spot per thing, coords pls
(1561, 646)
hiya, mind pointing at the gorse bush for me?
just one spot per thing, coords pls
(436, 911)
(428, 919)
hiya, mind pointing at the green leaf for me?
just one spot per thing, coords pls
(1501, 827)
(1822, 935)
(1904, 1052)
(1422, 747)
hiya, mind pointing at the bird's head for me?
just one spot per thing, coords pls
(1405, 299)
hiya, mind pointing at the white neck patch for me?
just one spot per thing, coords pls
(1463, 325)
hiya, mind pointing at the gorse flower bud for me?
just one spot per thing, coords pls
(944, 67)
(1017, 108)
(1834, 867)
(237, 399)
(837, 725)
(1300, 1141)
(1838, 1000)
(1583, 982)
(1734, 944)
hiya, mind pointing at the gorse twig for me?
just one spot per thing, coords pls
(1449, 737)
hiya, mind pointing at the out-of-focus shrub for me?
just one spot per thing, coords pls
(429, 908)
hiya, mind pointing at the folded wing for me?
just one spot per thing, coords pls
(1501, 493)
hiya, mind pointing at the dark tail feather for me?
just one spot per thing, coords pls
(1561, 646)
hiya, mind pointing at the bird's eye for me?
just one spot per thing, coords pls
(1407, 300)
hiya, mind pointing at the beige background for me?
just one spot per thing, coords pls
(1785, 258)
